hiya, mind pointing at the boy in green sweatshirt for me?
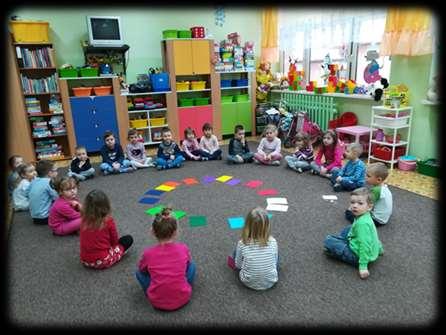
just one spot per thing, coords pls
(357, 244)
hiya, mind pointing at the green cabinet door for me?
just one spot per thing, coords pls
(244, 115)
(228, 117)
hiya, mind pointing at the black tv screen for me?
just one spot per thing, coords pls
(105, 29)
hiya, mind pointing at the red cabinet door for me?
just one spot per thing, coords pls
(194, 117)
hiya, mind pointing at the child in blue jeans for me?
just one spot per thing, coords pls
(352, 174)
(113, 159)
(169, 154)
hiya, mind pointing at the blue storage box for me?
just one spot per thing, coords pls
(160, 82)
(239, 82)
(226, 83)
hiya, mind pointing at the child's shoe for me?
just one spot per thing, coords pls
(337, 187)
(159, 167)
(105, 172)
(275, 163)
(204, 158)
(299, 170)
(256, 161)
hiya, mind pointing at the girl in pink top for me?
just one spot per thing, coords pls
(331, 151)
(65, 217)
(166, 271)
(191, 148)
(268, 151)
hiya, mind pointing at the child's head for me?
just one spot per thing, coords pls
(95, 208)
(66, 187)
(27, 171)
(302, 140)
(164, 227)
(360, 201)
(14, 161)
(109, 139)
(132, 135)
(46, 168)
(166, 134)
(270, 132)
(330, 137)
(257, 227)
(189, 133)
(239, 132)
(81, 153)
(207, 129)
(376, 173)
(353, 151)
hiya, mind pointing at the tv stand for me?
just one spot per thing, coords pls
(107, 52)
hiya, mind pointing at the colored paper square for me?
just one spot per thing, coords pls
(253, 183)
(231, 262)
(208, 179)
(190, 181)
(269, 191)
(164, 188)
(223, 178)
(154, 210)
(171, 183)
(196, 221)
(149, 200)
(154, 192)
(236, 223)
(233, 182)
(178, 214)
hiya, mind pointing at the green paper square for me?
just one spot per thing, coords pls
(196, 221)
(154, 210)
(178, 214)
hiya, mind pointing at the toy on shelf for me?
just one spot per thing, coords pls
(396, 96)
(376, 91)
(325, 68)
(248, 50)
(264, 79)
(234, 38)
(295, 78)
(238, 57)
(371, 71)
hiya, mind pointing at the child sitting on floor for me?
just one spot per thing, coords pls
(238, 151)
(357, 244)
(169, 154)
(100, 246)
(268, 151)
(41, 192)
(191, 148)
(256, 254)
(376, 174)
(303, 156)
(80, 167)
(136, 152)
(352, 174)
(20, 199)
(209, 143)
(331, 151)
(65, 216)
(166, 270)
(113, 160)
(13, 178)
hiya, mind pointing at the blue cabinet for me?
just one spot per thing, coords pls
(92, 116)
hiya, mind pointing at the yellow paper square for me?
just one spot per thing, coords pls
(224, 179)
(165, 188)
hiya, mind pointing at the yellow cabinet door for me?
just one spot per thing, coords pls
(201, 57)
(182, 55)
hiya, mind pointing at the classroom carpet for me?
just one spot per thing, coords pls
(48, 287)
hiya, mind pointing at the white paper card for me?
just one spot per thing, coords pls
(282, 201)
(275, 207)
(329, 197)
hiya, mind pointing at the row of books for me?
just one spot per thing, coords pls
(42, 85)
(40, 127)
(48, 149)
(32, 105)
(35, 58)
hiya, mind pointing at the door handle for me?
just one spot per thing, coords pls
(94, 111)
(96, 125)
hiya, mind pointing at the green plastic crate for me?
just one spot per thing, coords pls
(184, 102)
(184, 34)
(429, 167)
(65, 73)
(89, 72)
(241, 97)
(226, 98)
(201, 101)
(170, 33)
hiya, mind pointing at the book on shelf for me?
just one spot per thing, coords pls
(41, 85)
(34, 58)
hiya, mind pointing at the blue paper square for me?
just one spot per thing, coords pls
(149, 201)
(236, 223)
(154, 192)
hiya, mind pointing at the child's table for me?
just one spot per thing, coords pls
(356, 131)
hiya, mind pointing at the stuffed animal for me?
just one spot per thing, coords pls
(264, 79)
(377, 90)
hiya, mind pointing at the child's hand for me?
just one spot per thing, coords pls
(323, 170)
(81, 163)
(268, 157)
(172, 157)
(76, 205)
(363, 274)
(338, 179)
(116, 165)
(196, 158)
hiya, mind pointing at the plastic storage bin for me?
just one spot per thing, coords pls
(184, 34)
(67, 73)
(385, 153)
(390, 122)
(185, 102)
(429, 167)
(240, 82)
(160, 82)
(170, 33)
(241, 97)
(89, 72)
(82, 91)
(102, 90)
(182, 85)
(197, 32)
(227, 98)
(225, 83)
(154, 122)
(198, 85)
(406, 165)
(201, 101)
(139, 123)
(30, 31)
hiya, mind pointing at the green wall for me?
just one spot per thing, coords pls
(142, 29)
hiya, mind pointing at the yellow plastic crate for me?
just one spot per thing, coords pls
(182, 85)
(198, 85)
(157, 121)
(140, 123)
(30, 31)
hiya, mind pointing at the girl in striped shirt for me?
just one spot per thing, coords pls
(303, 156)
(256, 254)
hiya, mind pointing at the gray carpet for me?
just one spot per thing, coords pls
(48, 286)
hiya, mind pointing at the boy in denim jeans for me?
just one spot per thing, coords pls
(352, 174)
(169, 154)
(113, 160)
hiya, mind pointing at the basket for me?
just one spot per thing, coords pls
(102, 90)
(226, 98)
(30, 31)
(225, 83)
(157, 121)
(241, 97)
(182, 85)
(240, 82)
(67, 73)
(391, 122)
(406, 165)
(184, 34)
(429, 167)
(201, 101)
(185, 102)
(82, 91)
(170, 34)
(139, 123)
(198, 85)
(160, 82)
(89, 72)
(385, 153)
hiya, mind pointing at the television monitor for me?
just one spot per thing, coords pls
(105, 31)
